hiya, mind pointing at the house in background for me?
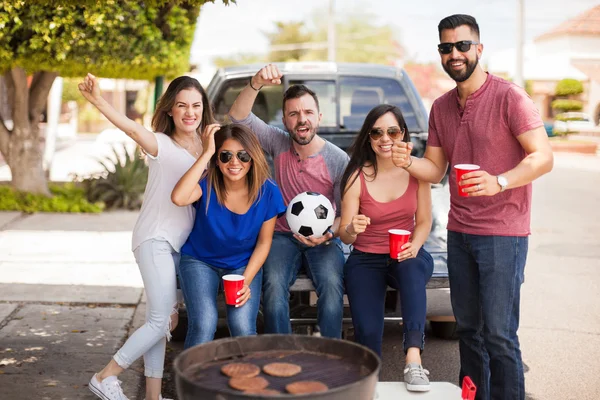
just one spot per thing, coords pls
(571, 50)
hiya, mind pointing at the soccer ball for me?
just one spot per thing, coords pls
(310, 214)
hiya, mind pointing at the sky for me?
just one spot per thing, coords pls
(238, 28)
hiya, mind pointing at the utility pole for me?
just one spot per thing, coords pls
(519, 49)
(331, 32)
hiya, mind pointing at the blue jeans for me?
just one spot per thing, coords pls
(367, 277)
(200, 284)
(324, 266)
(486, 273)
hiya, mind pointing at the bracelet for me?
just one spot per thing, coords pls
(348, 232)
(250, 83)
(409, 164)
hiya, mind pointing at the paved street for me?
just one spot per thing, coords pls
(70, 292)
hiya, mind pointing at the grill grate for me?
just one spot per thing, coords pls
(331, 370)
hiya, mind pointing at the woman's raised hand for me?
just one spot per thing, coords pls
(90, 89)
(208, 138)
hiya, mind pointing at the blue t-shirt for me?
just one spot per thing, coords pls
(224, 239)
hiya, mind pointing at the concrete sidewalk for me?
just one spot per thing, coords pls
(70, 295)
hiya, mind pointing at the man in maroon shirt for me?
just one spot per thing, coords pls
(493, 123)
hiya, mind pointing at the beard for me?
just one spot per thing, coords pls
(460, 76)
(303, 141)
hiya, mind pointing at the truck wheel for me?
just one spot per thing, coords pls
(444, 330)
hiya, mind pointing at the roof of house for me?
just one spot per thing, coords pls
(587, 24)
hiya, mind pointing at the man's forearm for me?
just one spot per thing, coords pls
(426, 170)
(532, 167)
(242, 106)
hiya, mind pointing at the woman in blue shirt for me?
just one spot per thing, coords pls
(236, 209)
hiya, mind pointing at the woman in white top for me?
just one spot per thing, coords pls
(162, 227)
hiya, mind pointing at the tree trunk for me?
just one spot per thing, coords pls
(23, 147)
(25, 158)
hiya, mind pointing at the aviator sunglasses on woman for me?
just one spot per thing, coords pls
(225, 156)
(393, 133)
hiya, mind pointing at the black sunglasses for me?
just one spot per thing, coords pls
(393, 133)
(225, 156)
(463, 46)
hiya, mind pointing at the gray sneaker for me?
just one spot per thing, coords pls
(416, 378)
(108, 389)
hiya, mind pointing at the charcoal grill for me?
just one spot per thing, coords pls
(348, 369)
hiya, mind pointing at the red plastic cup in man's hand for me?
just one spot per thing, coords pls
(398, 237)
(462, 169)
(232, 284)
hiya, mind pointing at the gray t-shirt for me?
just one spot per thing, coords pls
(321, 173)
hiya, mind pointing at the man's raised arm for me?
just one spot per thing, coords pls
(431, 168)
(267, 76)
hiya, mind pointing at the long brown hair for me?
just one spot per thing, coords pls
(259, 169)
(162, 122)
(361, 152)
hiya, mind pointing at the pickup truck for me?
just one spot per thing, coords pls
(346, 93)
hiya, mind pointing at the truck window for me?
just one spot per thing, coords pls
(325, 91)
(266, 107)
(358, 95)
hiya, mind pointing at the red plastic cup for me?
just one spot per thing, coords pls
(462, 169)
(398, 237)
(232, 284)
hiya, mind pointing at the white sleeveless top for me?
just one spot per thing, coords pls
(159, 217)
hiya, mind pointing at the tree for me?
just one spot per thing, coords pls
(114, 39)
(288, 33)
(359, 39)
(239, 59)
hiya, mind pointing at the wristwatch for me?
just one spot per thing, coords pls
(503, 182)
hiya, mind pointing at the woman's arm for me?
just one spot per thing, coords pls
(90, 89)
(423, 218)
(187, 190)
(352, 223)
(258, 257)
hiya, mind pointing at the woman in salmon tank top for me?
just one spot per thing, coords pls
(386, 217)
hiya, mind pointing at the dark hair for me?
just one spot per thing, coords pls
(259, 169)
(162, 122)
(456, 20)
(361, 152)
(297, 91)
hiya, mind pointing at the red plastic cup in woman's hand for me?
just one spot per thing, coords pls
(462, 169)
(232, 284)
(398, 237)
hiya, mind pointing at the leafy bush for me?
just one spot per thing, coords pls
(568, 87)
(563, 117)
(67, 198)
(564, 105)
(122, 183)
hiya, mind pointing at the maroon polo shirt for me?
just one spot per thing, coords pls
(485, 133)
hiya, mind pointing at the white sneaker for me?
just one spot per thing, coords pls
(108, 389)
(161, 398)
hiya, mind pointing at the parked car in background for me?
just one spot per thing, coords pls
(347, 92)
(573, 122)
